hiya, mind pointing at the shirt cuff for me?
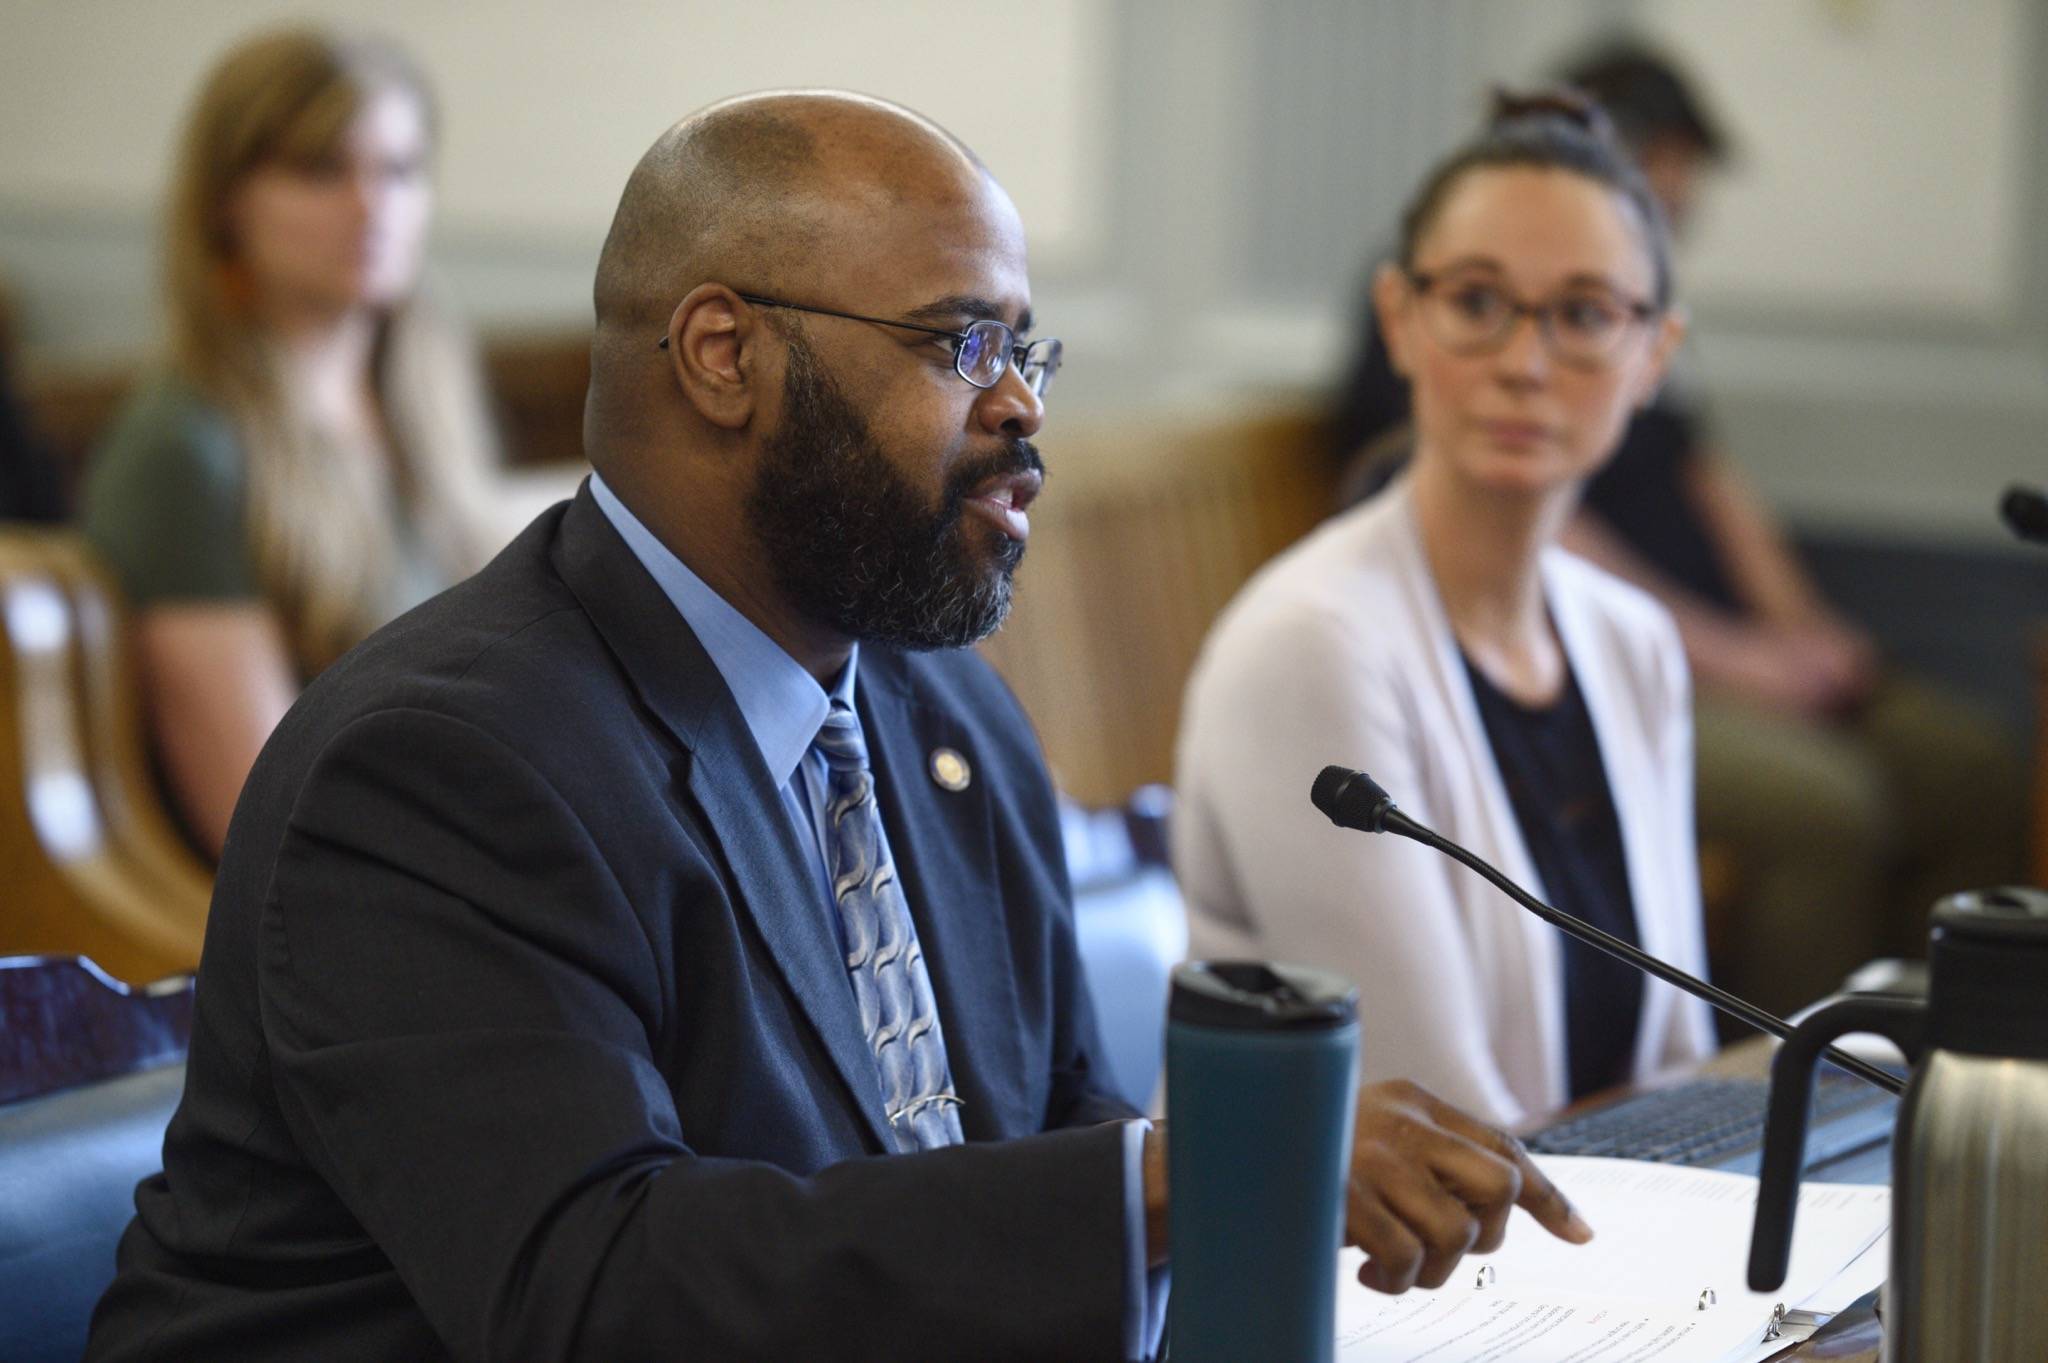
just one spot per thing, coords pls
(1145, 1289)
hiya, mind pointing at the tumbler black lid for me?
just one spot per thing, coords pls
(1260, 996)
(1988, 973)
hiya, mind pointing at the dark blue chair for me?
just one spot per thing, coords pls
(90, 1072)
(1132, 930)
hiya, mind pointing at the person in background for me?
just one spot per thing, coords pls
(312, 458)
(1840, 797)
(1510, 695)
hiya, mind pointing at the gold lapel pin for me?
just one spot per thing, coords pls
(950, 769)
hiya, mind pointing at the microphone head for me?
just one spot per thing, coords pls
(1351, 799)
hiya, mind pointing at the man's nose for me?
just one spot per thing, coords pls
(1011, 408)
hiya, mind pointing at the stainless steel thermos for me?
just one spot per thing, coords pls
(1261, 1079)
(1969, 1268)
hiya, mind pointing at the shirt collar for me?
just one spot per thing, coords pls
(782, 703)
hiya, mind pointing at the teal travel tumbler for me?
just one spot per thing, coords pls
(1261, 1079)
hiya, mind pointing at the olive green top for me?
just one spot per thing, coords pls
(166, 507)
(165, 501)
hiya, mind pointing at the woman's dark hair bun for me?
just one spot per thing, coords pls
(1554, 128)
(1561, 102)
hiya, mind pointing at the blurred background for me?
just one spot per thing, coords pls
(1204, 183)
(1202, 180)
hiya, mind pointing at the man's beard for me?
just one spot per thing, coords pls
(853, 544)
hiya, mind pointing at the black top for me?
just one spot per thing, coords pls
(1550, 760)
(1640, 493)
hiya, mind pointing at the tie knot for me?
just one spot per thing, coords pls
(841, 740)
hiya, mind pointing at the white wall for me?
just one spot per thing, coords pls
(1881, 145)
(547, 105)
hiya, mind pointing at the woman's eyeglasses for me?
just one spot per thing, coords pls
(1475, 315)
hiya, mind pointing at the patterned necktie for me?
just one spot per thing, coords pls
(883, 957)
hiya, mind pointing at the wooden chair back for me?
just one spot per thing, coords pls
(1147, 529)
(90, 863)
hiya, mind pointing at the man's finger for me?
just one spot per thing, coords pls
(1539, 1196)
(1445, 1226)
(1552, 1210)
(1393, 1256)
(1480, 1177)
(1493, 1228)
(1483, 1180)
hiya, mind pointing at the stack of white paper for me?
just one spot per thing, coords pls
(1664, 1278)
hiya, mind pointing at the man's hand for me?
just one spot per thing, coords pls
(1430, 1185)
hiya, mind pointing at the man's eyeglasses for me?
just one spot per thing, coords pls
(1473, 315)
(980, 354)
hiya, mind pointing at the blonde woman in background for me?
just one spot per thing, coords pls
(313, 457)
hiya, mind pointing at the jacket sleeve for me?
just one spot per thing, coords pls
(459, 1004)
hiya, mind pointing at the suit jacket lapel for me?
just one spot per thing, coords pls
(944, 849)
(771, 872)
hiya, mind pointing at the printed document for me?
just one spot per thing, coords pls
(1664, 1278)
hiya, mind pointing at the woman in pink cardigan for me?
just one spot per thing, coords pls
(1516, 698)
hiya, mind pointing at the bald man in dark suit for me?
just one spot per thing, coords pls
(659, 946)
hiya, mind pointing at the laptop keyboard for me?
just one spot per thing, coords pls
(1719, 1124)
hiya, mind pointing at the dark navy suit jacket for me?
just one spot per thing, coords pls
(522, 1031)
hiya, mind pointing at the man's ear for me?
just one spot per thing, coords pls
(1393, 299)
(713, 351)
(1671, 331)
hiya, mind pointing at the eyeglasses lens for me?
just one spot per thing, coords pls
(1470, 316)
(1585, 330)
(1041, 362)
(1475, 318)
(984, 353)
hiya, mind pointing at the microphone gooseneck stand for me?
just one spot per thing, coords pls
(1354, 800)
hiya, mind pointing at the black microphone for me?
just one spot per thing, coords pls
(1354, 800)
(2026, 512)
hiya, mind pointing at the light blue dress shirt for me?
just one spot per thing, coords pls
(784, 706)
